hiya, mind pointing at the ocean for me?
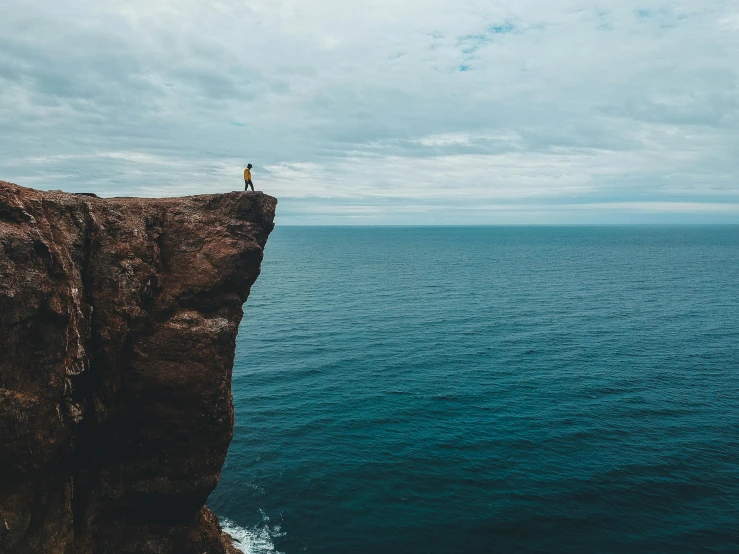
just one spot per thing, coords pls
(488, 389)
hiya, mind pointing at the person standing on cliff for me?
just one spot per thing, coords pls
(247, 178)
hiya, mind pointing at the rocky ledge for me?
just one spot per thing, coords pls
(118, 322)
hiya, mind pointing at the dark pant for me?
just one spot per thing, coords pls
(247, 184)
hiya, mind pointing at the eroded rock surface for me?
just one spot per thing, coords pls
(118, 321)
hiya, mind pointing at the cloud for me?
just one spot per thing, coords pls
(362, 112)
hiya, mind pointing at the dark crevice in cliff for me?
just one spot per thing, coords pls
(82, 391)
(155, 228)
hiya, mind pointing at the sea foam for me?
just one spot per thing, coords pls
(257, 540)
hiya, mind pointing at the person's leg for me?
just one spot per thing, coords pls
(251, 185)
(246, 185)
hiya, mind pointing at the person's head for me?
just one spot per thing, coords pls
(248, 166)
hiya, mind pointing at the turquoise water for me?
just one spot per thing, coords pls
(502, 389)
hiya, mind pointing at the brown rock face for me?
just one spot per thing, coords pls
(118, 322)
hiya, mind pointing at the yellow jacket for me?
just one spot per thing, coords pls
(247, 174)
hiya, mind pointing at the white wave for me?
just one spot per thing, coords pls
(257, 540)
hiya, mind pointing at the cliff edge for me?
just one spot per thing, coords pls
(118, 322)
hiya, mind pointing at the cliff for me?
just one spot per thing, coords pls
(118, 322)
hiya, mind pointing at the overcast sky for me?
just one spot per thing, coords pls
(382, 111)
